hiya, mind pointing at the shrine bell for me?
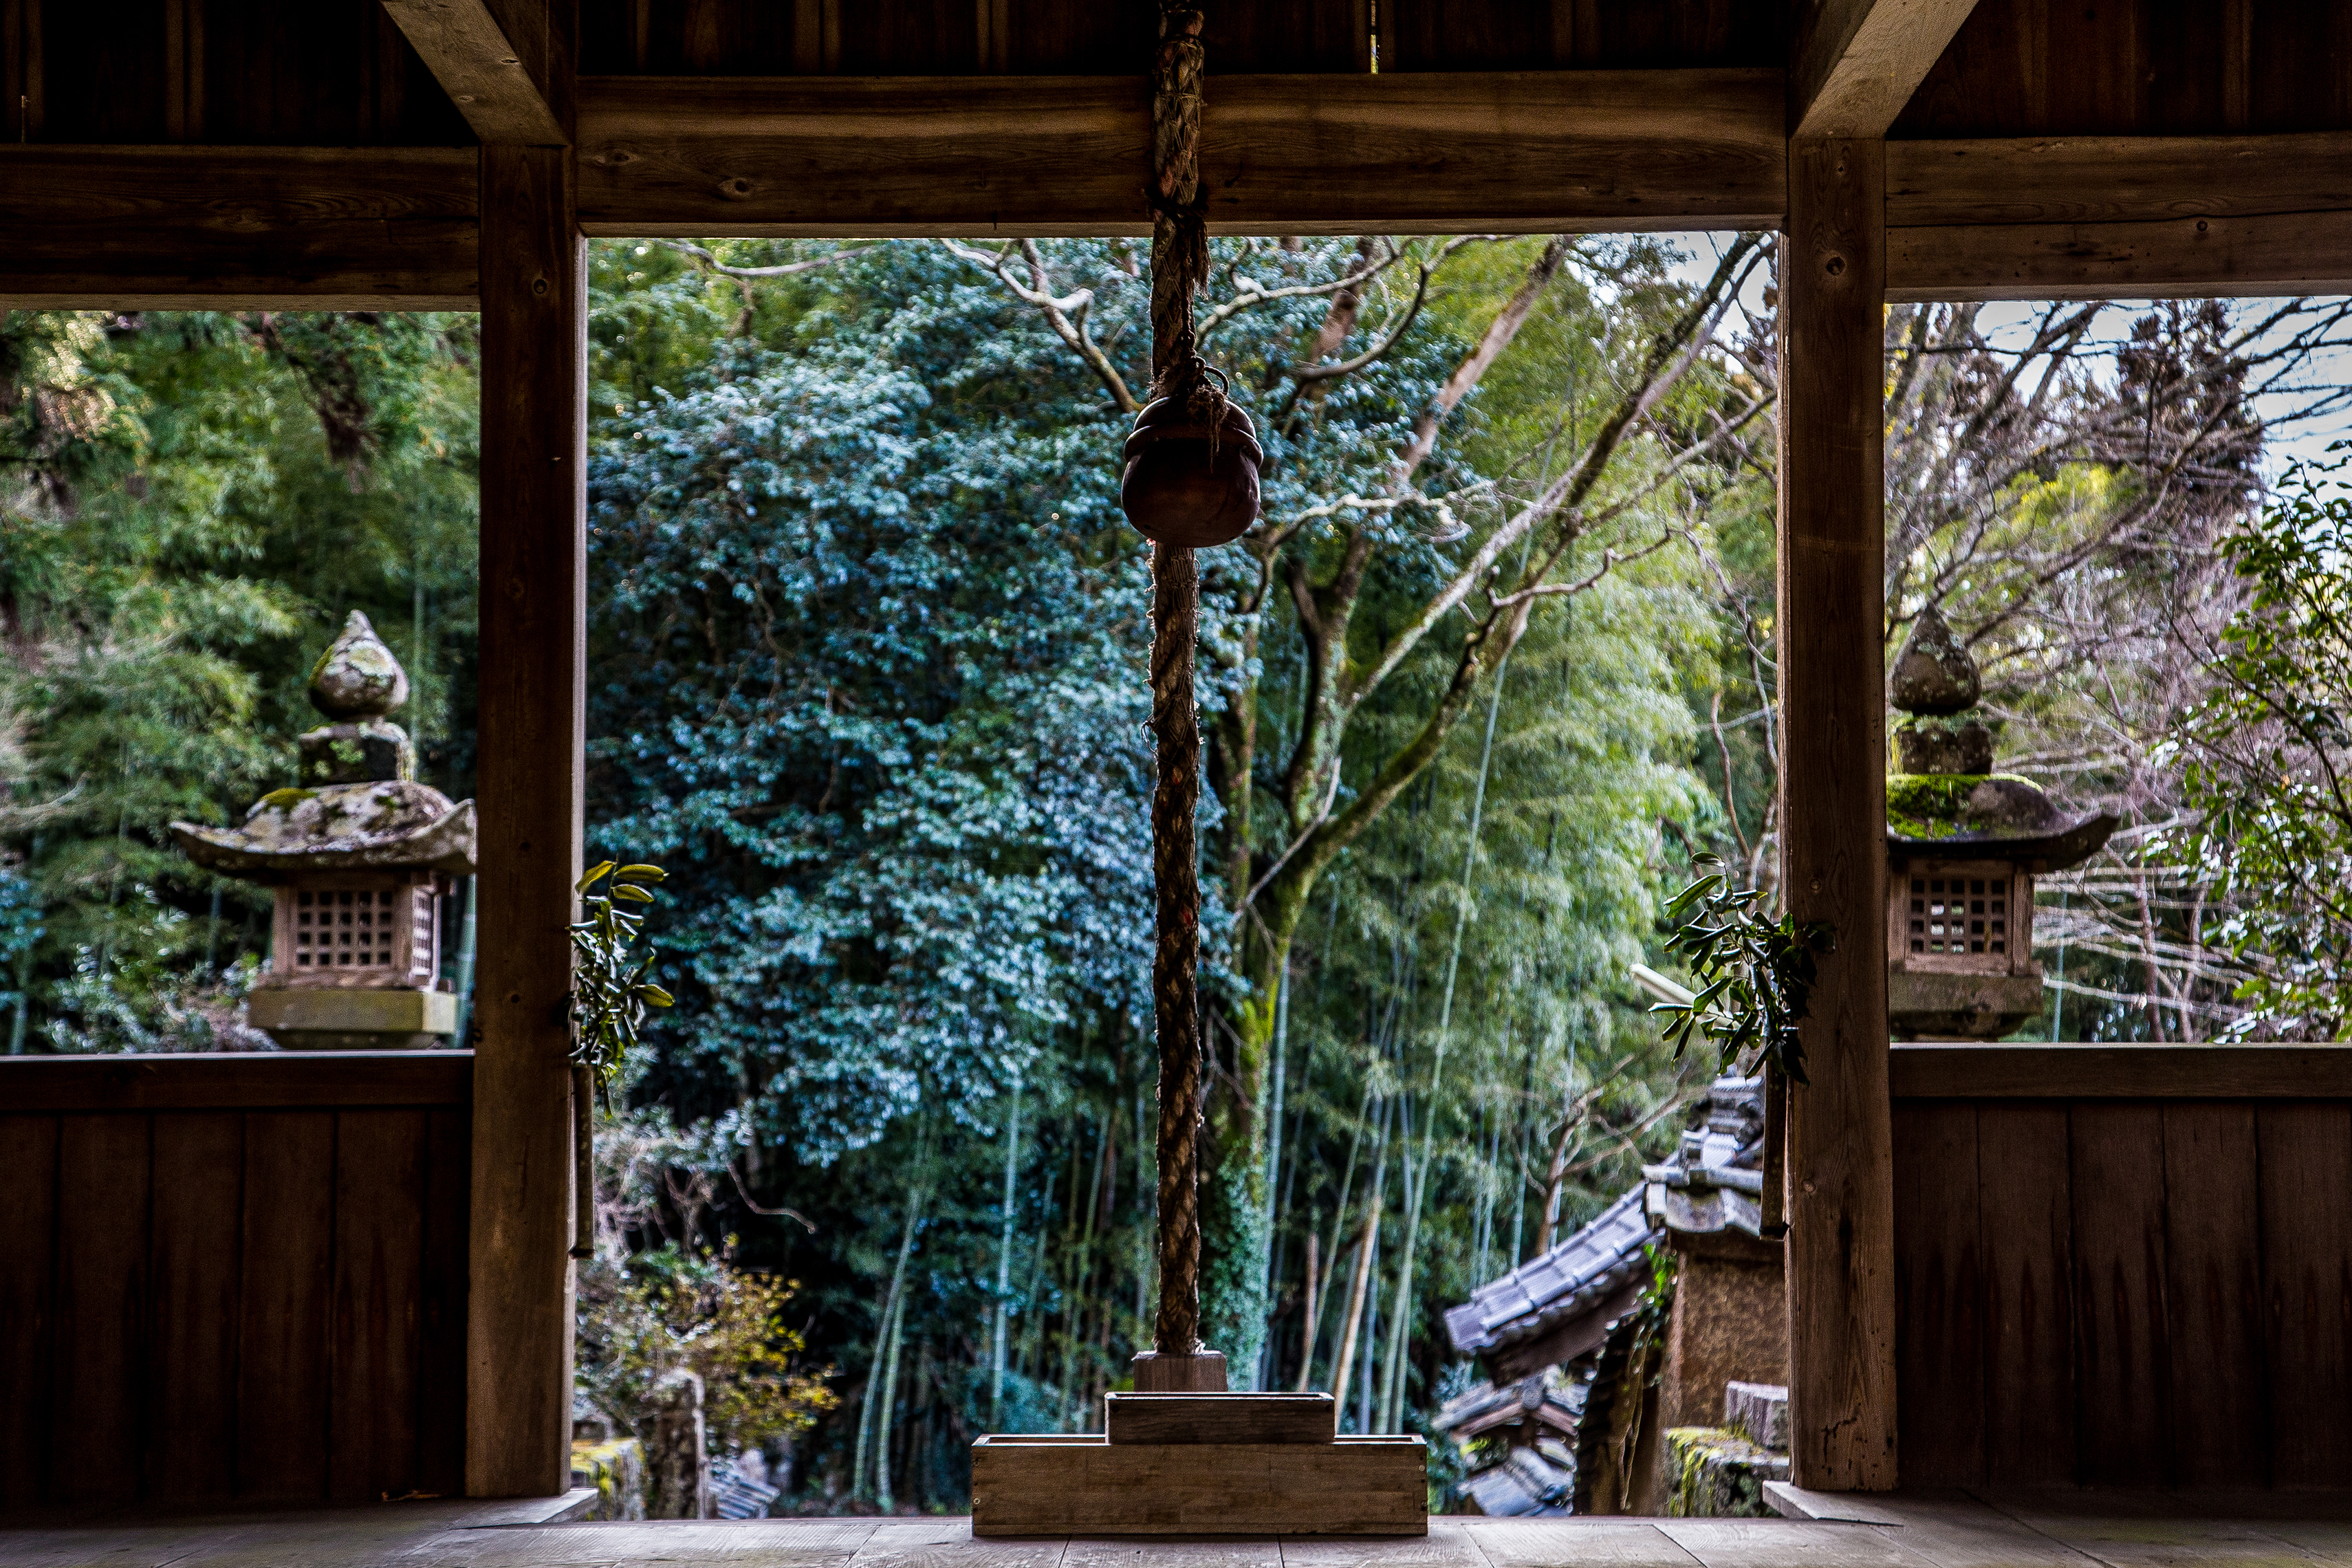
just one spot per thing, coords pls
(1963, 847)
(359, 854)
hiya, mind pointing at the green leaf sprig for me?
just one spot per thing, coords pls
(610, 993)
(1755, 973)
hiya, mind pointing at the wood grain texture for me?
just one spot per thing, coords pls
(2306, 1245)
(284, 1311)
(2122, 1319)
(2111, 179)
(1832, 545)
(2123, 1072)
(379, 1264)
(28, 1220)
(1853, 64)
(1517, 151)
(483, 73)
(2295, 253)
(2212, 1231)
(1940, 1343)
(213, 227)
(441, 1301)
(2025, 1217)
(261, 1081)
(1419, 35)
(1085, 1484)
(533, 548)
(1220, 1418)
(103, 1301)
(189, 1426)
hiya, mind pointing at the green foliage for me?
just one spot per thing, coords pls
(1754, 974)
(610, 993)
(189, 506)
(673, 1309)
(2268, 760)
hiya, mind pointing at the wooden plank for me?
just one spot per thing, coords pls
(102, 1302)
(2306, 1245)
(221, 228)
(2123, 1368)
(532, 705)
(2121, 1072)
(2292, 253)
(1517, 151)
(469, 55)
(1833, 848)
(258, 1081)
(1853, 64)
(29, 1224)
(1085, 1485)
(2113, 178)
(441, 1329)
(1786, 1543)
(284, 1317)
(190, 1421)
(1939, 1350)
(2025, 1218)
(1598, 1541)
(380, 1188)
(1220, 1418)
(2212, 1242)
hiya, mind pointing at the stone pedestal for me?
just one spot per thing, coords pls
(354, 1020)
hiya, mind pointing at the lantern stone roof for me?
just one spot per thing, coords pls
(1947, 800)
(360, 806)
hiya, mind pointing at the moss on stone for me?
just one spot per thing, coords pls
(286, 799)
(1932, 805)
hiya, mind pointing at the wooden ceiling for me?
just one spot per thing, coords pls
(178, 150)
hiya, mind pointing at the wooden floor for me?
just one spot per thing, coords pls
(1947, 1530)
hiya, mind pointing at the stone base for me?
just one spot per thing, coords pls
(1082, 1484)
(1712, 1473)
(328, 1020)
(1936, 1006)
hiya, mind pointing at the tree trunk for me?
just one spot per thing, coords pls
(1003, 1263)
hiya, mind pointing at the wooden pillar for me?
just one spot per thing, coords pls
(533, 629)
(1841, 1256)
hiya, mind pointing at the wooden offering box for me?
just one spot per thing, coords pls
(1202, 1464)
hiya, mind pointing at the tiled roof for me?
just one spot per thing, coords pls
(1575, 1275)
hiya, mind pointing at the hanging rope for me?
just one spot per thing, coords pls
(1179, 266)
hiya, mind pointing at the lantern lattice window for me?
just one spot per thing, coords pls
(351, 933)
(1959, 917)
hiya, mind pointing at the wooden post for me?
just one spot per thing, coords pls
(1841, 1260)
(533, 695)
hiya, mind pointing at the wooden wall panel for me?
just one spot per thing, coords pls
(378, 1305)
(103, 70)
(2220, 1376)
(2306, 1243)
(28, 1222)
(207, 1303)
(1538, 35)
(441, 1305)
(102, 1303)
(2026, 1211)
(2152, 68)
(283, 1353)
(191, 1415)
(2123, 1364)
(1939, 1350)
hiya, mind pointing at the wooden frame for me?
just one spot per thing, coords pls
(2016, 915)
(2121, 1072)
(258, 1081)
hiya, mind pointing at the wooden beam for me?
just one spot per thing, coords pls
(318, 228)
(480, 69)
(2115, 179)
(2121, 1072)
(241, 1080)
(1855, 63)
(2271, 254)
(1833, 810)
(532, 700)
(1503, 152)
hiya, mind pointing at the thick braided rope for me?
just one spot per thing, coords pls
(1180, 264)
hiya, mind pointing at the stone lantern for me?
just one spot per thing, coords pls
(1963, 846)
(358, 854)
